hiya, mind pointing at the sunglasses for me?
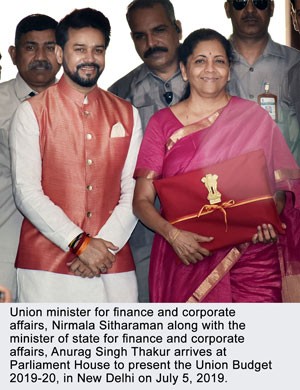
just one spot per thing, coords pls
(241, 4)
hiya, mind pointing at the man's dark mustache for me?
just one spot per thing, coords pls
(249, 18)
(153, 50)
(88, 64)
(40, 64)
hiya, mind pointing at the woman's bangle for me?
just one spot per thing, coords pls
(176, 234)
(84, 245)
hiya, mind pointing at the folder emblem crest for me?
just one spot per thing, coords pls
(211, 183)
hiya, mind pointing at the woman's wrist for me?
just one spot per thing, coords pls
(171, 234)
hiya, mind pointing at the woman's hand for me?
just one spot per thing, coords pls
(186, 246)
(266, 234)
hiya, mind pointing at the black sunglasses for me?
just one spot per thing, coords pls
(241, 4)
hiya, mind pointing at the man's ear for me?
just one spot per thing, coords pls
(178, 28)
(183, 71)
(227, 9)
(294, 19)
(59, 54)
(272, 6)
(12, 52)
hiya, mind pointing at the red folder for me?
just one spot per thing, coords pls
(227, 200)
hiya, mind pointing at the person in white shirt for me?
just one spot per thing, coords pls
(73, 150)
(33, 54)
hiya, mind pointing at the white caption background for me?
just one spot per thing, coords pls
(123, 346)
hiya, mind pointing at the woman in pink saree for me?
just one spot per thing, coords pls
(206, 128)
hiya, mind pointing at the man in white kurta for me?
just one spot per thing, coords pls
(74, 150)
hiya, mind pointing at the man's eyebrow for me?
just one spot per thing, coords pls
(153, 28)
(31, 42)
(160, 25)
(37, 43)
(84, 45)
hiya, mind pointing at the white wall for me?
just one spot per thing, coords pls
(121, 56)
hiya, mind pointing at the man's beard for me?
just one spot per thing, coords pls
(83, 81)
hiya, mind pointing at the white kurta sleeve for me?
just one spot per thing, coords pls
(122, 221)
(26, 167)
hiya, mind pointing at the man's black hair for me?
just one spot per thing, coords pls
(81, 18)
(140, 4)
(34, 22)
